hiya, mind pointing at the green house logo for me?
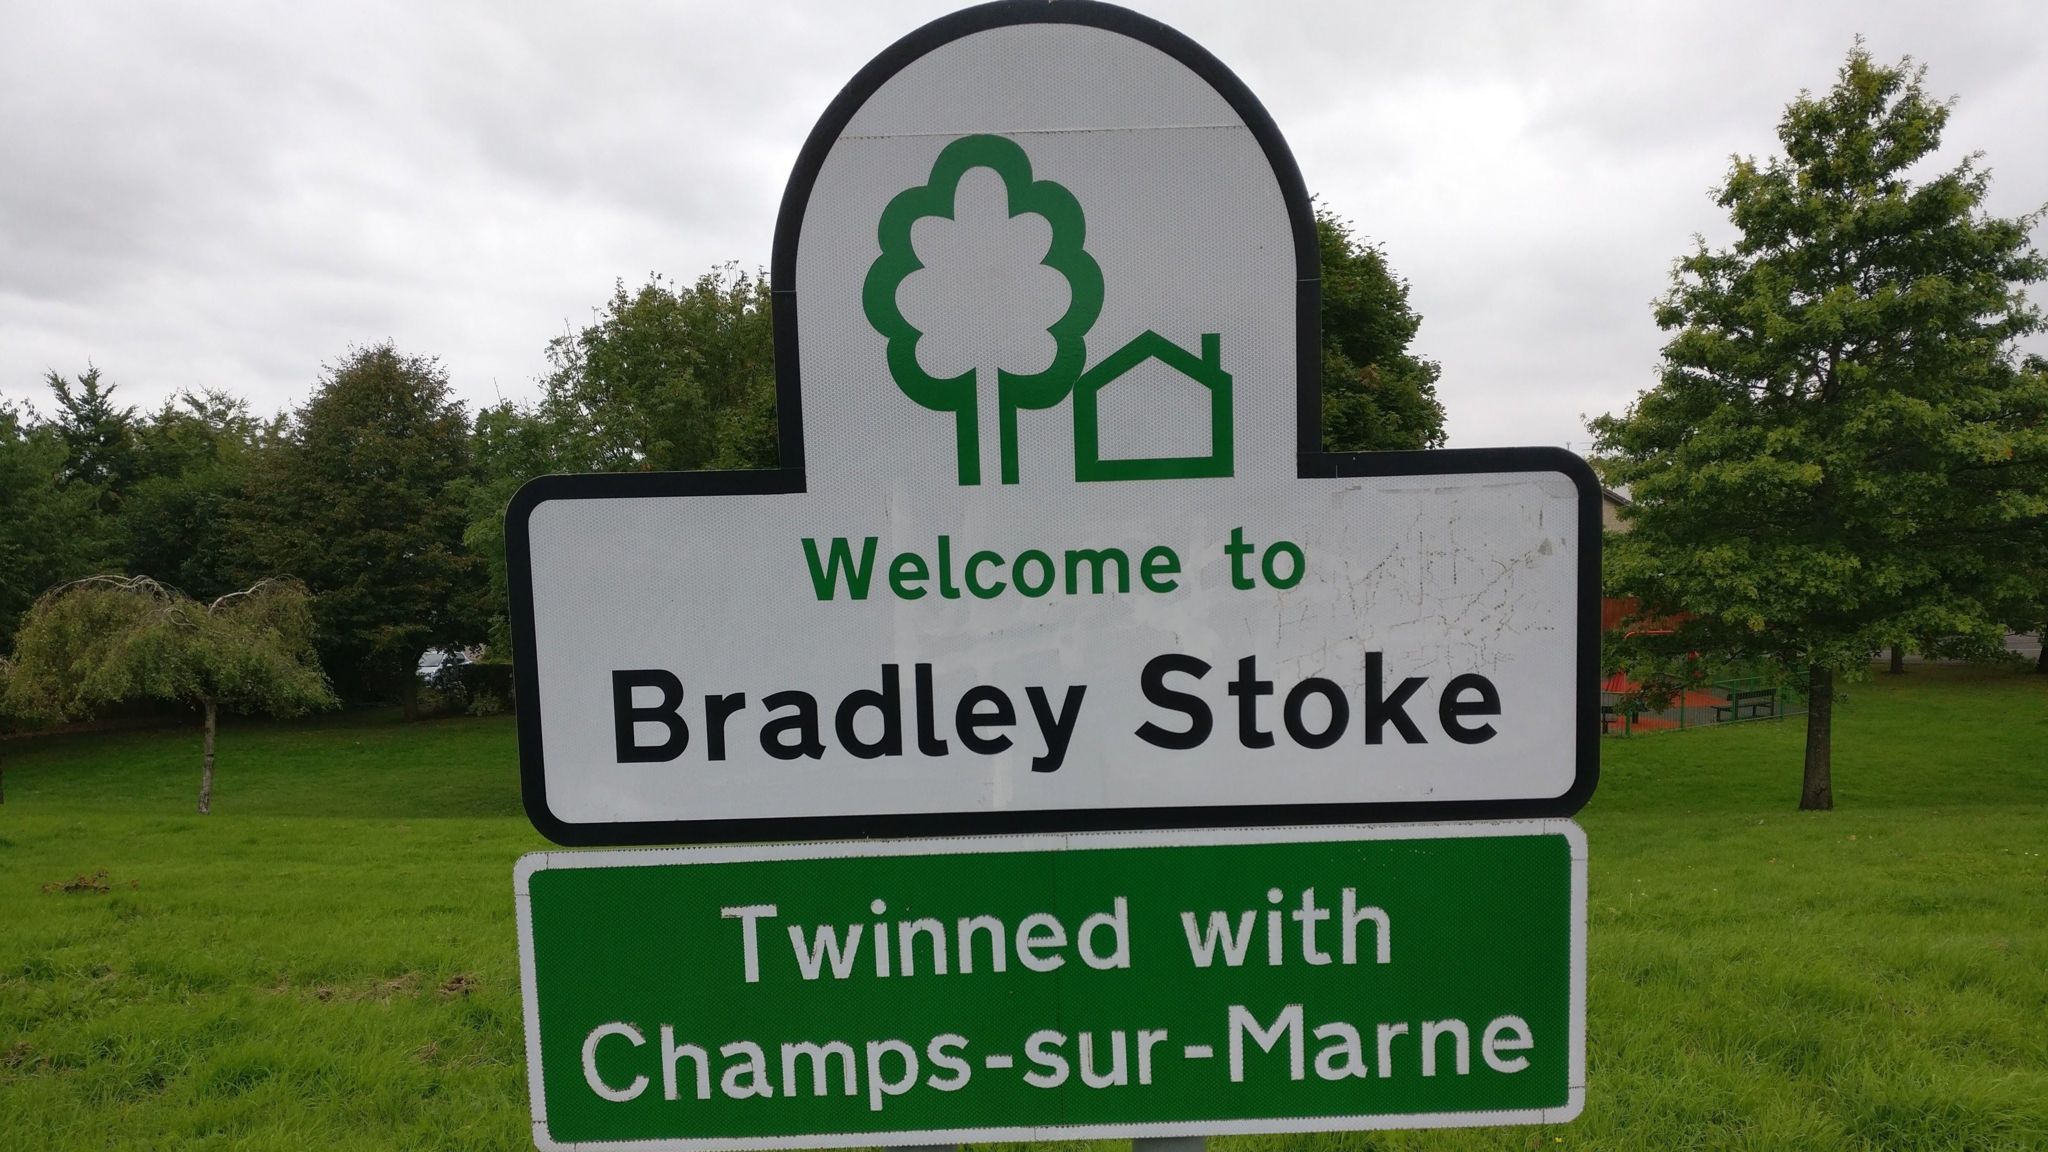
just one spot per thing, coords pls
(1205, 370)
(1065, 255)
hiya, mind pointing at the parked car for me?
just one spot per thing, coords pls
(434, 661)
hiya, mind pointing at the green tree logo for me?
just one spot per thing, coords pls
(958, 394)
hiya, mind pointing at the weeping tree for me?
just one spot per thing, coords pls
(109, 639)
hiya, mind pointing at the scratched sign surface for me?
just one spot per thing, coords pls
(1352, 640)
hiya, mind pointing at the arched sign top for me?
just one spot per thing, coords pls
(1082, 13)
(1147, 208)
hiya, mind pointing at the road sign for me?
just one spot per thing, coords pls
(1055, 987)
(1053, 545)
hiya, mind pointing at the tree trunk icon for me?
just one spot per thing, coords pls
(1064, 256)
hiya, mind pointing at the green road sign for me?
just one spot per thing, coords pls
(1037, 987)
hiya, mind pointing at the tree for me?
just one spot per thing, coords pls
(1377, 395)
(649, 385)
(177, 521)
(108, 639)
(1842, 450)
(748, 435)
(99, 437)
(364, 495)
(6, 678)
(512, 444)
(2027, 611)
(50, 528)
(2025, 607)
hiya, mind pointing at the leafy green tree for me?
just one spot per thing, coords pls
(178, 520)
(512, 444)
(648, 385)
(1377, 395)
(109, 639)
(1843, 450)
(2025, 594)
(2027, 612)
(364, 495)
(748, 435)
(6, 678)
(99, 436)
(51, 529)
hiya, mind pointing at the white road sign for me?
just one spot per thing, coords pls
(1053, 544)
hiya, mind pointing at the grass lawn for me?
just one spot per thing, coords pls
(328, 961)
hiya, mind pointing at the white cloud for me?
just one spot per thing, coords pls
(231, 195)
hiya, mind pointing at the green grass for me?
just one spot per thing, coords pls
(328, 961)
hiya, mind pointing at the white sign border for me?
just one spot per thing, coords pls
(1575, 1099)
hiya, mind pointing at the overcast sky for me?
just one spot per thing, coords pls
(229, 195)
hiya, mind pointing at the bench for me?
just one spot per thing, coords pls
(1759, 701)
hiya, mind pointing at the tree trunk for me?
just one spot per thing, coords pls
(2041, 661)
(1898, 659)
(206, 765)
(1817, 794)
(409, 699)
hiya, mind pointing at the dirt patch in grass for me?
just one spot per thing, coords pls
(94, 881)
(381, 991)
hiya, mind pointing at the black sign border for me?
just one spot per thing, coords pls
(789, 478)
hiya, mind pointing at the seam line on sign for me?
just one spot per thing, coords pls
(990, 842)
(1040, 131)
